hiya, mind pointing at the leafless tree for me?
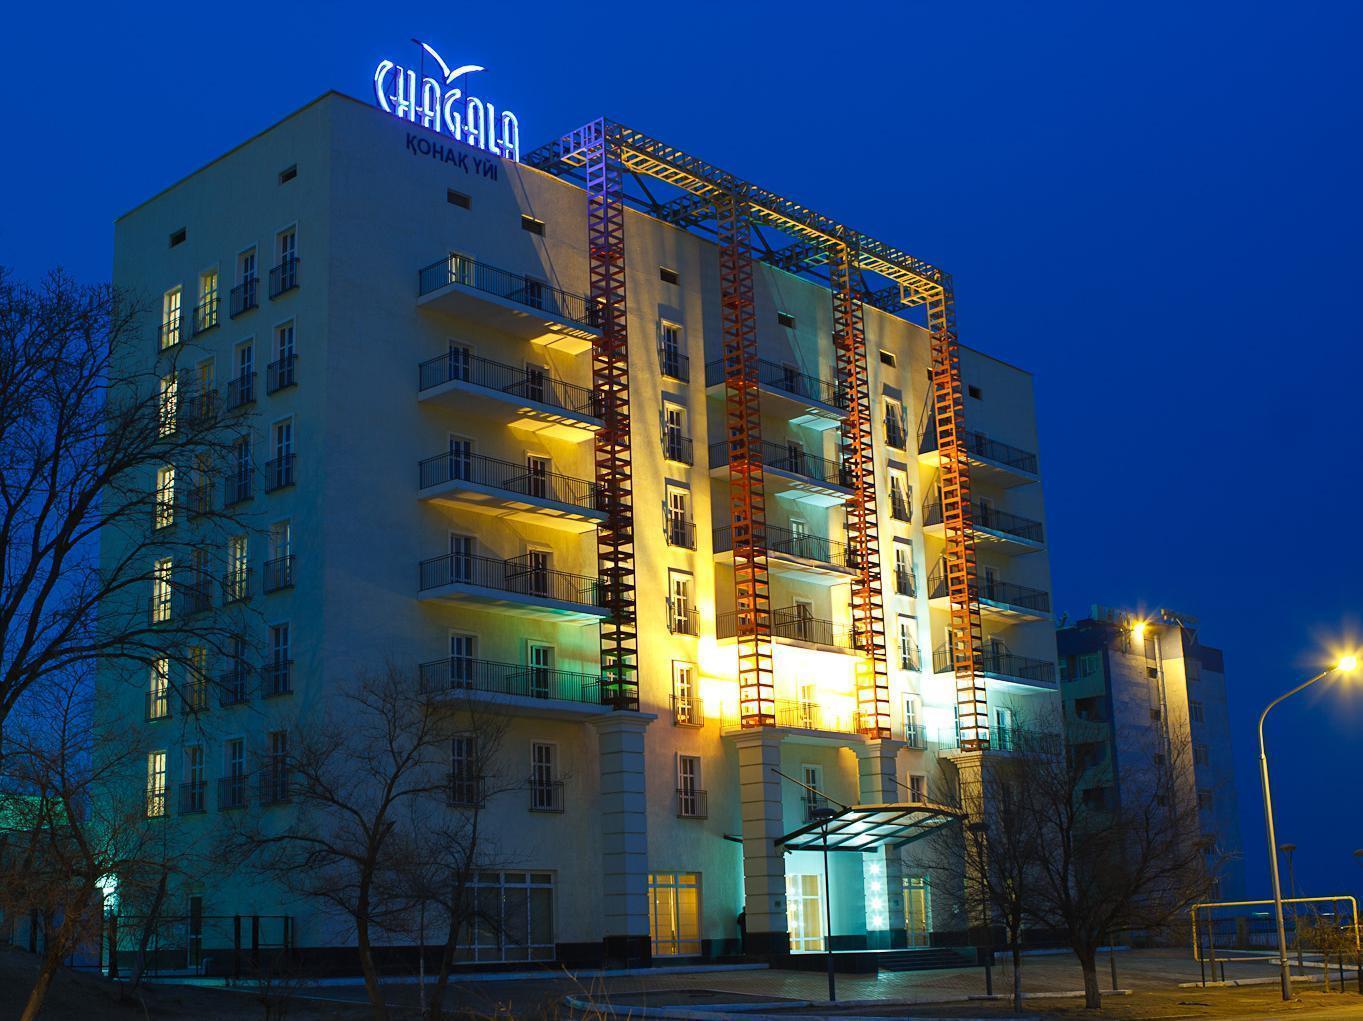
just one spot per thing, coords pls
(75, 808)
(103, 451)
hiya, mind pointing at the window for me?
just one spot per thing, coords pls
(461, 558)
(206, 312)
(680, 529)
(908, 644)
(674, 913)
(193, 789)
(546, 790)
(686, 706)
(538, 469)
(466, 785)
(284, 277)
(903, 569)
(178, 237)
(279, 565)
(161, 590)
(164, 515)
(244, 295)
(235, 585)
(239, 473)
(1152, 672)
(1195, 712)
(672, 361)
(279, 374)
(901, 506)
(514, 917)
(274, 782)
(288, 174)
(279, 470)
(168, 405)
(463, 655)
(533, 292)
(277, 675)
(158, 691)
(458, 198)
(812, 777)
(668, 276)
(974, 392)
(785, 319)
(887, 359)
(1200, 755)
(690, 795)
(156, 784)
(246, 266)
(242, 389)
(913, 729)
(676, 444)
(540, 660)
(170, 318)
(1005, 733)
(918, 788)
(681, 614)
(895, 432)
(232, 787)
(534, 226)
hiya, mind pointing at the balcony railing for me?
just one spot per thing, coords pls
(813, 803)
(994, 590)
(241, 391)
(238, 487)
(682, 621)
(984, 516)
(195, 593)
(232, 792)
(194, 797)
(904, 583)
(794, 544)
(516, 287)
(279, 472)
(546, 795)
(915, 736)
(194, 697)
(789, 380)
(278, 573)
(678, 447)
(170, 333)
(687, 711)
(236, 585)
(673, 364)
(794, 460)
(520, 679)
(802, 715)
(276, 679)
(983, 447)
(519, 575)
(234, 687)
(692, 803)
(464, 791)
(680, 532)
(284, 277)
(494, 473)
(793, 623)
(201, 408)
(281, 373)
(244, 297)
(1006, 664)
(521, 383)
(900, 507)
(895, 433)
(274, 784)
(206, 313)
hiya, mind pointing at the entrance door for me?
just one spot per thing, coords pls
(674, 913)
(804, 912)
(917, 910)
(537, 472)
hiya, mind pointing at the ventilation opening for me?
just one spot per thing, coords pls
(532, 225)
(785, 319)
(668, 276)
(178, 238)
(887, 359)
(458, 198)
(288, 174)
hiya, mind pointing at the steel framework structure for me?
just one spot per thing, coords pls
(819, 245)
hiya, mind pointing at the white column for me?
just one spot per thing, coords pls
(764, 864)
(624, 836)
(883, 871)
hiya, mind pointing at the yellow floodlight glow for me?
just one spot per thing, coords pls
(1347, 664)
(1138, 630)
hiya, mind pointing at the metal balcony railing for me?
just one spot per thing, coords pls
(170, 333)
(200, 408)
(687, 711)
(680, 532)
(991, 518)
(813, 803)
(692, 803)
(243, 297)
(466, 674)
(194, 797)
(238, 487)
(915, 735)
(194, 697)
(678, 447)
(465, 791)
(279, 472)
(281, 373)
(519, 479)
(199, 500)
(994, 590)
(794, 544)
(681, 620)
(794, 460)
(546, 795)
(908, 657)
(900, 507)
(236, 584)
(673, 364)
(521, 383)
(206, 313)
(274, 784)
(276, 679)
(983, 447)
(517, 287)
(195, 593)
(904, 583)
(792, 623)
(1006, 664)
(278, 574)
(895, 433)
(788, 380)
(234, 687)
(241, 391)
(941, 659)
(284, 277)
(519, 575)
(232, 792)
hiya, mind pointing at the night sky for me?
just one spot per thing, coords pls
(1154, 208)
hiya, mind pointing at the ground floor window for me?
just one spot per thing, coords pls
(513, 917)
(917, 910)
(674, 913)
(804, 911)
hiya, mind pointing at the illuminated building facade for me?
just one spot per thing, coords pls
(1141, 685)
(591, 465)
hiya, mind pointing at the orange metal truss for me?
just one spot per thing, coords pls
(863, 533)
(747, 492)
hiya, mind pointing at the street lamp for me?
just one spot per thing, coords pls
(823, 813)
(1346, 665)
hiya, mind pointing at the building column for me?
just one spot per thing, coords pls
(882, 871)
(624, 837)
(764, 863)
(970, 777)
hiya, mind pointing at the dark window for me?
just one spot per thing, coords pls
(288, 174)
(668, 276)
(532, 225)
(178, 238)
(973, 391)
(1152, 672)
(785, 319)
(457, 198)
(887, 358)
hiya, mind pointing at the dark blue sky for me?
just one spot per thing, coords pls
(1153, 207)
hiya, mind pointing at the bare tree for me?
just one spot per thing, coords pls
(104, 454)
(75, 812)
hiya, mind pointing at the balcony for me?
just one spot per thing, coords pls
(238, 487)
(170, 333)
(797, 714)
(673, 364)
(793, 625)
(284, 277)
(904, 583)
(915, 736)
(546, 795)
(991, 460)
(279, 473)
(680, 532)
(514, 303)
(194, 797)
(194, 698)
(206, 314)
(201, 408)
(236, 585)
(796, 555)
(518, 492)
(793, 473)
(232, 792)
(681, 620)
(687, 711)
(512, 683)
(241, 391)
(998, 664)
(678, 447)
(527, 399)
(274, 785)
(804, 399)
(895, 434)
(194, 594)
(520, 584)
(276, 679)
(281, 374)
(234, 687)
(1001, 600)
(1009, 533)
(244, 297)
(199, 500)
(692, 803)
(278, 574)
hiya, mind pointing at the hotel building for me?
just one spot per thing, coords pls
(689, 536)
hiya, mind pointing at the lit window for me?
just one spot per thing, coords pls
(170, 318)
(167, 405)
(158, 690)
(156, 784)
(161, 591)
(165, 497)
(206, 312)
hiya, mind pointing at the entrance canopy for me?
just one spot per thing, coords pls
(869, 827)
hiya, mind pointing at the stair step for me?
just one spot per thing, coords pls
(924, 958)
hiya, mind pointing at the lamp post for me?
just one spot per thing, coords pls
(1287, 849)
(1347, 664)
(823, 813)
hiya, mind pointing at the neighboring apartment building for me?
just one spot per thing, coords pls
(1136, 685)
(427, 426)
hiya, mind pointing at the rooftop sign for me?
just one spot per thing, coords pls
(439, 104)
